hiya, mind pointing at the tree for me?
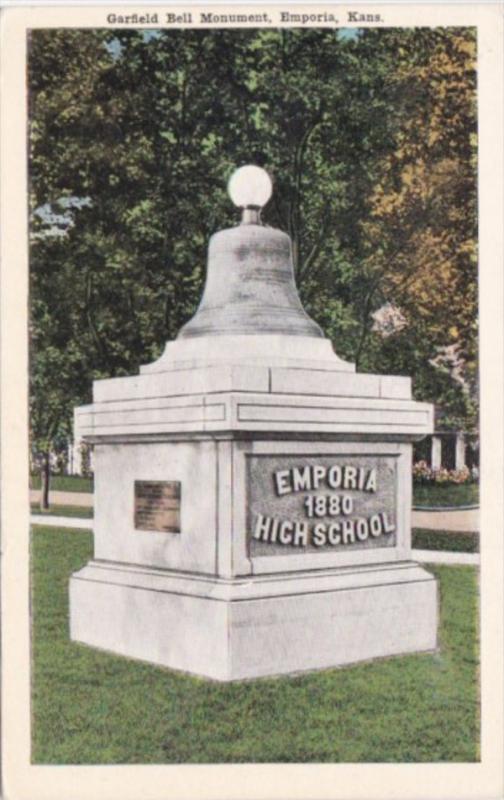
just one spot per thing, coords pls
(134, 135)
(58, 368)
(421, 231)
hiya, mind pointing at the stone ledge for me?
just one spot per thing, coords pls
(207, 634)
(252, 586)
(234, 411)
(217, 378)
(249, 349)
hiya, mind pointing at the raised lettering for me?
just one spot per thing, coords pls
(371, 481)
(350, 478)
(319, 473)
(282, 482)
(362, 529)
(346, 504)
(388, 527)
(375, 525)
(348, 531)
(301, 479)
(334, 505)
(274, 530)
(319, 534)
(262, 528)
(285, 532)
(300, 537)
(334, 477)
(333, 533)
(320, 505)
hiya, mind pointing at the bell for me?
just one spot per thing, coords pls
(250, 287)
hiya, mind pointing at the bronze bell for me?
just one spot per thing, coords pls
(250, 286)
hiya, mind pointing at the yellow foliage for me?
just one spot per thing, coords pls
(422, 211)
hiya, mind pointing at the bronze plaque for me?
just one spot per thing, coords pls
(311, 504)
(157, 506)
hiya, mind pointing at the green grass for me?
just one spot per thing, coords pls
(92, 707)
(458, 542)
(446, 495)
(64, 483)
(63, 511)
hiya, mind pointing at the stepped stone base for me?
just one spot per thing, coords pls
(254, 626)
(252, 513)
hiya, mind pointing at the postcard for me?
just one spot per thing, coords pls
(252, 356)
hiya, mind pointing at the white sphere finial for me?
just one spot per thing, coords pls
(250, 187)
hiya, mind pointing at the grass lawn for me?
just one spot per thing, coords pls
(445, 495)
(458, 542)
(64, 483)
(92, 707)
(63, 511)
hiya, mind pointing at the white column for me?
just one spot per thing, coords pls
(436, 452)
(77, 441)
(460, 450)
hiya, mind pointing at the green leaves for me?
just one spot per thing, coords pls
(370, 142)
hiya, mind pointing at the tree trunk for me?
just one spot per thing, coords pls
(45, 475)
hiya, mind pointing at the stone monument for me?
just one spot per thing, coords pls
(252, 491)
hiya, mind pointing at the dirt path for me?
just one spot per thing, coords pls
(467, 520)
(444, 557)
(64, 498)
(61, 522)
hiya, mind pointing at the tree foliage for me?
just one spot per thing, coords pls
(371, 144)
(421, 231)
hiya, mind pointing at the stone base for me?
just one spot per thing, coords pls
(256, 626)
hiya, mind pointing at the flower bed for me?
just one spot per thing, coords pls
(424, 475)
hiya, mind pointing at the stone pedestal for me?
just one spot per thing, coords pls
(253, 520)
(253, 627)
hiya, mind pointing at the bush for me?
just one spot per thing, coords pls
(86, 469)
(58, 461)
(423, 474)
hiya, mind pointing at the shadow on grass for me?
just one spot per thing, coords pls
(448, 541)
